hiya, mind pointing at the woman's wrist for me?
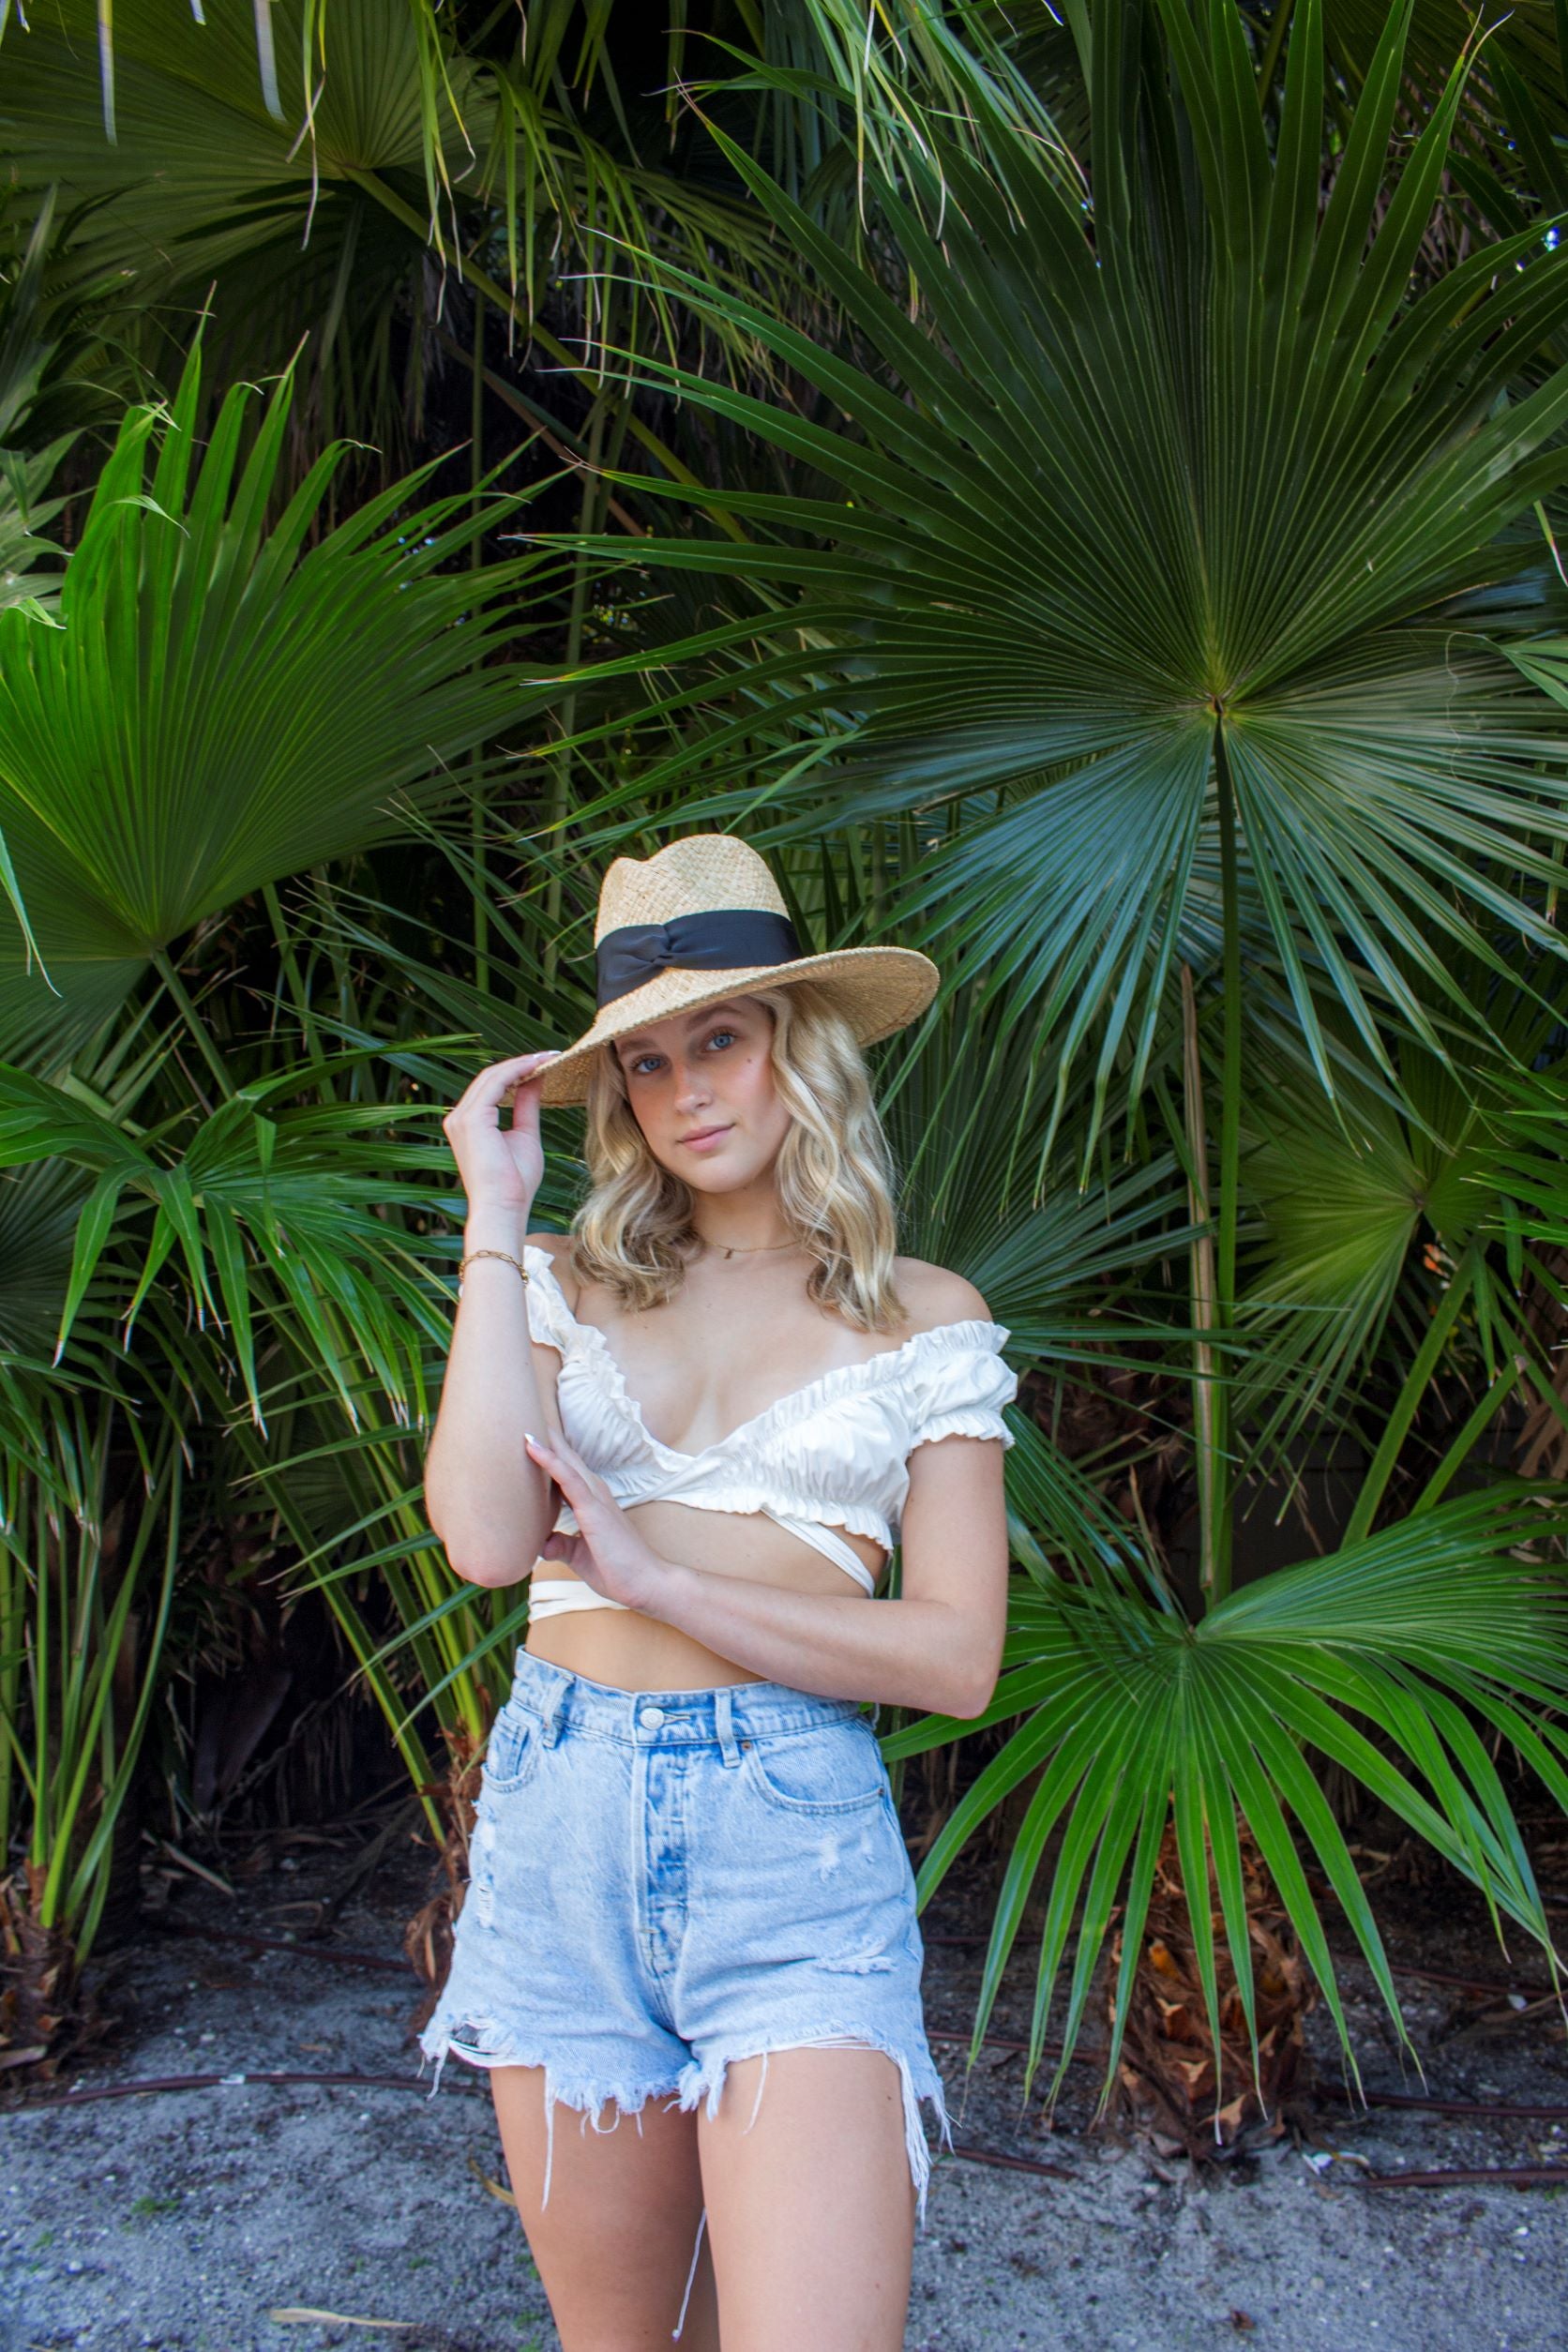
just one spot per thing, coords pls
(496, 1225)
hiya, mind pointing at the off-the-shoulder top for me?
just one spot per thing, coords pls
(833, 1453)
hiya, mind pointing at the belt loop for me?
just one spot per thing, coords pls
(552, 1699)
(875, 1716)
(724, 1723)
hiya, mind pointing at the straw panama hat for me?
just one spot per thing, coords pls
(701, 920)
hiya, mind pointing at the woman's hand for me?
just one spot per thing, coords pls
(500, 1170)
(607, 1552)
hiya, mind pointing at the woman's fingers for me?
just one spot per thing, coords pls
(576, 1481)
(605, 1551)
(490, 1089)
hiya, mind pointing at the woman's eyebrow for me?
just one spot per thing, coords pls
(693, 1021)
(709, 1012)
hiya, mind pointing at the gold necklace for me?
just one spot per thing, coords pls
(761, 1249)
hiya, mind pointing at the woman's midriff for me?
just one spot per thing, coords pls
(634, 1652)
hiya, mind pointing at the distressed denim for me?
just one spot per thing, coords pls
(662, 1882)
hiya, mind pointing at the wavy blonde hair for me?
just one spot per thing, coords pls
(634, 1231)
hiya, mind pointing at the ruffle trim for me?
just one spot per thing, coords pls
(553, 1322)
(944, 1344)
(550, 1321)
(973, 1423)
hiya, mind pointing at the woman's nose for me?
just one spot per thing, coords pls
(692, 1087)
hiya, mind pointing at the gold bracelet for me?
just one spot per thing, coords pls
(506, 1254)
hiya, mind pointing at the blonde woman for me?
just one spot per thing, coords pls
(710, 1410)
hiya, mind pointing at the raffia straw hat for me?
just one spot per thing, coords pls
(704, 919)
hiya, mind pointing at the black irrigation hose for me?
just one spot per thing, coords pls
(1463, 2177)
(1445, 2107)
(989, 2042)
(1013, 2164)
(1523, 2175)
(142, 2086)
(1398, 1967)
(1518, 2176)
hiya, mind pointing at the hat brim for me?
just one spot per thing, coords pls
(878, 989)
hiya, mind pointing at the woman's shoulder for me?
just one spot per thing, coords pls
(933, 1295)
(557, 1248)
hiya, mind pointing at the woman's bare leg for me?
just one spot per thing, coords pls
(614, 2244)
(810, 2204)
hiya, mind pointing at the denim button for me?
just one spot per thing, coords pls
(651, 1718)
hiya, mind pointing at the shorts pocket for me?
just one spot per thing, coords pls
(836, 1768)
(512, 1754)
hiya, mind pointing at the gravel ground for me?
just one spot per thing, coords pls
(199, 2221)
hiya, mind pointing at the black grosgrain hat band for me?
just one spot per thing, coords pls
(724, 938)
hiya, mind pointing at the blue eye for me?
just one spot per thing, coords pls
(718, 1034)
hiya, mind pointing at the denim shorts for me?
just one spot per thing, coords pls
(661, 1882)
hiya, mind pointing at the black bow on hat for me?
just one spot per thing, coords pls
(727, 939)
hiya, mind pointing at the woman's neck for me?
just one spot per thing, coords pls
(743, 1223)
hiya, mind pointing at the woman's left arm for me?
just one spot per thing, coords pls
(937, 1647)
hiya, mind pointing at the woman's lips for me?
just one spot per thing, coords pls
(705, 1139)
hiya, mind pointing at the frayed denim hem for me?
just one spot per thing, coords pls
(702, 2080)
(488, 2048)
(491, 2048)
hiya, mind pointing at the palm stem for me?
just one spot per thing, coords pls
(193, 1021)
(1417, 1381)
(1204, 1396)
(559, 801)
(289, 964)
(1270, 67)
(1230, 1150)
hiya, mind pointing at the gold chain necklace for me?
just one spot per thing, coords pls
(761, 1249)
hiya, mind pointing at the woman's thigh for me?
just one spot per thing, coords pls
(614, 2244)
(811, 2202)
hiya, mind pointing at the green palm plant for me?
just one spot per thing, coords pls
(306, 200)
(208, 1208)
(1159, 550)
(1150, 539)
(28, 459)
(225, 702)
(57, 377)
(822, 62)
(1388, 1212)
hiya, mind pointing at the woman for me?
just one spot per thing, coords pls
(712, 1405)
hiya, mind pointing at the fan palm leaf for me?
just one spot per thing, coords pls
(1130, 1716)
(1146, 535)
(1344, 1192)
(224, 703)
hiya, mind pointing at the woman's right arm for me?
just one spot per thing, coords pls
(491, 1506)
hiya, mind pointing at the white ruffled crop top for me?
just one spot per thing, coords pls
(833, 1453)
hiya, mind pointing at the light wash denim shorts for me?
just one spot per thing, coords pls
(661, 1882)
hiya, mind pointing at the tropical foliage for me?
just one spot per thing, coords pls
(1086, 496)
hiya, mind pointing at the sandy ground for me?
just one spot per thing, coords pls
(192, 2220)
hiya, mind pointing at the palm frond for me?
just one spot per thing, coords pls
(1446, 1626)
(224, 703)
(1193, 482)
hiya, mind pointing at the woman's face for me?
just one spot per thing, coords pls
(701, 1089)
